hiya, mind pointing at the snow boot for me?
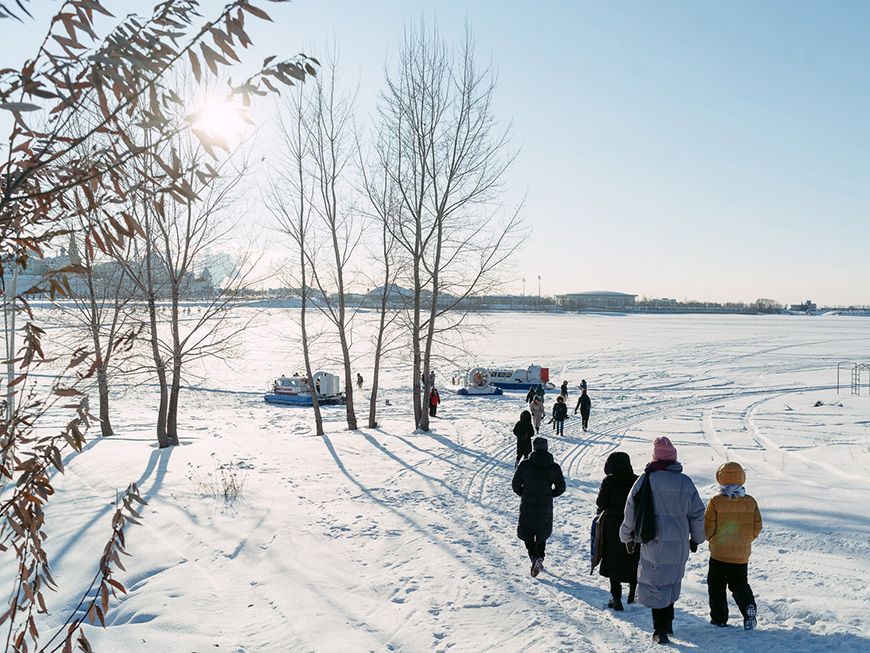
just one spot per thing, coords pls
(750, 621)
(537, 567)
(631, 594)
(660, 638)
(615, 603)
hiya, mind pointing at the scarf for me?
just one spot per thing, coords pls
(732, 491)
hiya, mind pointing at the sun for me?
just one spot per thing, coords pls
(221, 119)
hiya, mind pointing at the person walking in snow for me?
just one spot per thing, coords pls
(540, 392)
(583, 384)
(434, 400)
(359, 380)
(731, 522)
(537, 480)
(617, 563)
(584, 403)
(665, 517)
(560, 414)
(530, 395)
(564, 389)
(524, 431)
(536, 408)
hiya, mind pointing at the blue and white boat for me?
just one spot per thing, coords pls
(296, 390)
(531, 377)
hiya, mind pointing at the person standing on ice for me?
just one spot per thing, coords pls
(584, 403)
(434, 400)
(537, 480)
(617, 564)
(664, 515)
(732, 521)
(560, 414)
(583, 384)
(536, 408)
(359, 380)
(564, 389)
(540, 392)
(524, 432)
(530, 395)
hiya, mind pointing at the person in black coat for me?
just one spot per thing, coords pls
(616, 563)
(564, 389)
(537, 480)
(530, 395)
(584, 403)
(525, 431)
(560, 414)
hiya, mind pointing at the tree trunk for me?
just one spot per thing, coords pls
(318, 416)
(379, 345)
(103, 390)
(348, 379)
(163, 438)
(175, 386)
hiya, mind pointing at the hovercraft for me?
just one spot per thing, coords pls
(530, 377)
(477, 383)
(296, 390)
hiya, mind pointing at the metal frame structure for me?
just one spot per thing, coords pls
(856, 371)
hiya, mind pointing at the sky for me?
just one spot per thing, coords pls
(694, 150)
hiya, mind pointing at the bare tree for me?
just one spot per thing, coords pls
(329, 123)
(448, 156)
(385, 206)
(291, 203)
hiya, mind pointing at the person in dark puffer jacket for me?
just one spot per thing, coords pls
(560, 414)
(617, 564)
(524, 431)
(537, 480)
(731, 522)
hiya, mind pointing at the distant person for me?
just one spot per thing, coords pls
(524, 432)
(452, 380)
(317, 386)
(617, 564)
(583, 384)
(434, 400)
(540, 392)
(732, 521)
(665, 517)
(564, 389)
(584, 403)
(560, 414)
(537, 480)
(536, 408)
(359, 380)
(530, 395)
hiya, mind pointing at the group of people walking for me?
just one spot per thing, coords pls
(649, 526)
(559, 411)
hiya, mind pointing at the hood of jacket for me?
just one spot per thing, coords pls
(618, 464)
(525, 417)
(541, 458)
(730, 474)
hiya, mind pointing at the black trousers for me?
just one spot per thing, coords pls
(535, 548)
(585, 417)
(733, 575)
(616, 589)
(433, 409)
(663, 618)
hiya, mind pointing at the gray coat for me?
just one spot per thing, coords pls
(679, 515)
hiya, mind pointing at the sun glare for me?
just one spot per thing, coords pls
(221, 119)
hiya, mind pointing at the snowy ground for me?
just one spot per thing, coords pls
(394, 540)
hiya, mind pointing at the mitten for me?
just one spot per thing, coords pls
(629, 546)
(693, 545)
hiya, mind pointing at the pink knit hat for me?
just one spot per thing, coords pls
(663, 449)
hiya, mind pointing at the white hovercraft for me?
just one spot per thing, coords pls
(296, 390)
(477, 383)
(530, 377)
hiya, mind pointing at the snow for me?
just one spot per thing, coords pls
(387, 539)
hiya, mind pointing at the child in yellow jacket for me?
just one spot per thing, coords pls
(731, 522)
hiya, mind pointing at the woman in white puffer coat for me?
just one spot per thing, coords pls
(679, 525)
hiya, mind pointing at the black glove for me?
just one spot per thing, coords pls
(629, 546)
(693, 545)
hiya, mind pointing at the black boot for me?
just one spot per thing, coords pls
(660, 638)
(615, 602)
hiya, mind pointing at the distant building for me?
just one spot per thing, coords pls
(600, 300)
(807, 307)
